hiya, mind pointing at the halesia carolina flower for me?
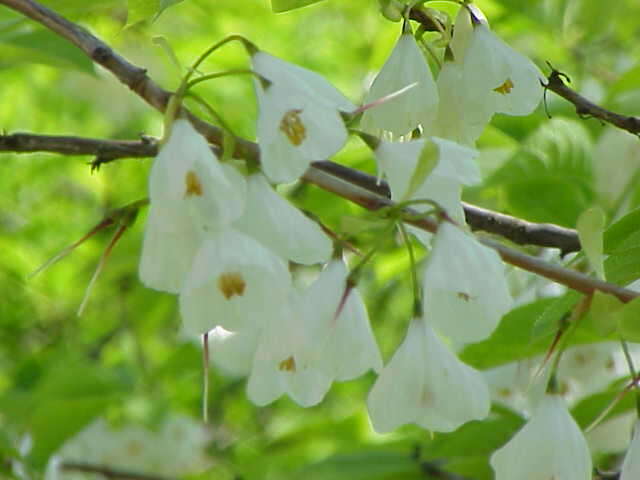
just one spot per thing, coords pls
(168, 248)
(465, 290)
(498, 77)
(426, 384)
(549, 446)
(232, 352)
(324, 340)
(233, 283)
(188, 180)
(281, 227)
(299, 120)
(631, 464)
(448, 166)
(405, 66)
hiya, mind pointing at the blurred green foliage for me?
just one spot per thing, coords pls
(125, 357)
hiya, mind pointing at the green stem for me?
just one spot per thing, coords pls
(211, 76)
(417, 294)
(210, 50)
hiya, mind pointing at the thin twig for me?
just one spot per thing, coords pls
(586, 108)
(137, 79)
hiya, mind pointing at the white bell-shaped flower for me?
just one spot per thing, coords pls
(232, 352)
(309, 347)
(550, 445)
(498, 77)
(280, 226)
(426, 384)
(465, 290)
(234, 282)
(631, 464)
(299, 118)
(290, 75)
(400, 115)
(456, 120)
(169, 245)
(281, 362)
(187, 179)
(399, 162)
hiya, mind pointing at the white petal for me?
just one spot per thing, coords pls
(457, 162)
(465, 291)
(233, 352)
(550, 445)
(295, 129)
(344, 347)
(293, 77)
(497, 74)
(233, 283)
(280, 364)
(631, 464)
(426, 384)
(278, 225)
(187, 177)
(405, 66)
(170, 243)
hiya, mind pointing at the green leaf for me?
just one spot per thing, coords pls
(373, 464)
(140, 10)
(624, 234)
(602, 318)
(623, 267)
(629, 320)
(279, 6)
(525, 332)
(44, 47)
(589, 408)
(590, 226)
(427, 161)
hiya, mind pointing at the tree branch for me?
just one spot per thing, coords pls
(514, 229)
(137, 79)
(586, 108)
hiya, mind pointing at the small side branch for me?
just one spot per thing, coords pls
(586, 108)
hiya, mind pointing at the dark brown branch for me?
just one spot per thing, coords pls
(109, 472)
(586, 108)
(140, 83)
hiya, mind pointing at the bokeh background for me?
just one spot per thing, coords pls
(124, 361)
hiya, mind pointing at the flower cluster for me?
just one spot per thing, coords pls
(222, 238)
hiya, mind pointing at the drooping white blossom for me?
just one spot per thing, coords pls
(234, 283)
(168, 248)
(454, 166)
(281, 227)
(496, 77)
(308, 347)
(299, 118)
(465, 291)
(187, 179)
(405, 66)
(550, 445)
(426, 384)
(232, 352)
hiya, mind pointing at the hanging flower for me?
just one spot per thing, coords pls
(465, 291)
(233, 283)
(187, 179)
(232, 352)
(405, 66)
(495, 76)
(426, 384)
(315, 343)
(299, 120)
(281, 227)
(428, 168)
(631, 464)
(550, 445)
(168, 248)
